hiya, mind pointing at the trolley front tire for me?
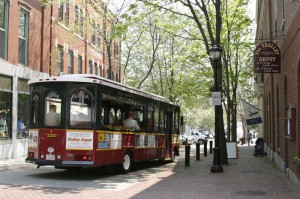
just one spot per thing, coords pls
(125, 167)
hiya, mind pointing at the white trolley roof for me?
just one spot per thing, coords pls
(88, 78)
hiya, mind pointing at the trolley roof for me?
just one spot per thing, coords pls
(88, 78)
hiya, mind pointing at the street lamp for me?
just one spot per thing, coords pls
(215, 55)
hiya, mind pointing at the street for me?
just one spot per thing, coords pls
(245, 177)
(26, 181)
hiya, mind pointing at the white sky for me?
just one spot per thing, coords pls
(252, 7)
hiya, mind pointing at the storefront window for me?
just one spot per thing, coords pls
(23, 109)
(5, 107)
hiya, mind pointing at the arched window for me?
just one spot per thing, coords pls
(52, 109)
(81, 109)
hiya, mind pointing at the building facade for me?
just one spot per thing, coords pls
(278, 21)
(47, 40)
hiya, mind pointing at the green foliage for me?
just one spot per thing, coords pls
(180, 69)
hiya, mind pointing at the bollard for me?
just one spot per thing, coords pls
(187, 155)
(210, 146)
(197, 151)
(205, 148)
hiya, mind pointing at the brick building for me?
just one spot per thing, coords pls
(279, 22)
(47, 40)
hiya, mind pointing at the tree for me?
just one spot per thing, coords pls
(237, 59)
(208, 19)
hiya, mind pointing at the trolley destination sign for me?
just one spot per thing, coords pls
(267, 58)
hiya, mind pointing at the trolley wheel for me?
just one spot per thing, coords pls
(125, 167)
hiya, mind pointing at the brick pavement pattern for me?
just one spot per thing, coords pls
(246, 177)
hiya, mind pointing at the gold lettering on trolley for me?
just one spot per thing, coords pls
(51, 135)
(73, 139)
(86, 140)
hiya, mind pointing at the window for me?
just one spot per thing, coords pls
(23, 37)
(90, 67)
(122, 113)
(156, 119)
(98, 38)
(93, 39)
(60, 59)
(23, 111)
(70, 62)
(162, 123)
(5, 107)
(81, 109)
(3, 29)
(176, 121)
(100, 70)
(116, 50)
(150, 119)
(112, 75)
(63, 12)
(291, 122)
(95, 68)
(79, 67)
(67, 13)
(60, 11)
(52, 109)
(78, 21)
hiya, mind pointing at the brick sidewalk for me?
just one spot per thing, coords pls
(245, 177)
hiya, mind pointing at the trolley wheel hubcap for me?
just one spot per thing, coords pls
(127, 162)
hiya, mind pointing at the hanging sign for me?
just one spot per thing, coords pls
(216, 98)
(267, 58)
(252, 114)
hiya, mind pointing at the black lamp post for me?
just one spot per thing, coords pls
(215, 55)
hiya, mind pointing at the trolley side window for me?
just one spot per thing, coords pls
(115, 110)
(150, 118)
(52, 109)
(162, 123)
(81, 109)
(176, 121)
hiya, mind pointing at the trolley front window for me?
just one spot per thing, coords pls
(53, 109)
(81, 109)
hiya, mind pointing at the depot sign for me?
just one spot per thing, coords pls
(267, 58)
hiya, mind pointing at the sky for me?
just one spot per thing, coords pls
(252, 7)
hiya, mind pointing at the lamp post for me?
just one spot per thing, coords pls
(215, 55)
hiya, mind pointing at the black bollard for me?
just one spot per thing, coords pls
(210, 146)
(187, 155)
(205, 148)
(197, 151)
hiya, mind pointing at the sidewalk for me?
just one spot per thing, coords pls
(247, 177)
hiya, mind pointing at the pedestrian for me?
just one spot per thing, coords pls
(20, 126)
(249, 137)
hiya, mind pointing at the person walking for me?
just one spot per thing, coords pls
(249, 137)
